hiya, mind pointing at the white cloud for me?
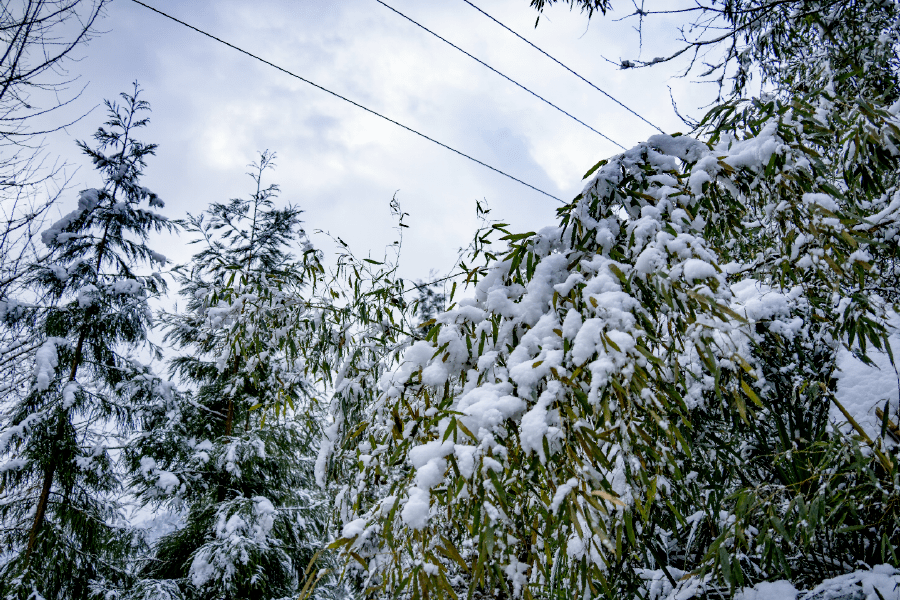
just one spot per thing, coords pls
(214, 108)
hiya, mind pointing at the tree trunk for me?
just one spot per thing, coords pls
(51, 468)
(41, 510)
(229, 420)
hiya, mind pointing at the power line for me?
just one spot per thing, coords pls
(484, 64)
(565, 67)
(336, 95)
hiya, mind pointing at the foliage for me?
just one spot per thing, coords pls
(635, 402)
(62, 525)
(794, 46)
(588, 6)
(234, 454)
(639, 401)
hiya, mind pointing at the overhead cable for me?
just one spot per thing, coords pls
(336, 95)
(635, 113)
(511, 80)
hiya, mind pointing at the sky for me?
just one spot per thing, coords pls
(214, 109)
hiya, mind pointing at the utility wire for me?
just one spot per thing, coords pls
(565, 67)
(484, 64)
(336, 95)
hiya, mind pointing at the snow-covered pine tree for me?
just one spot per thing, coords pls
(641, 401)
(62, 531)
(234, 454)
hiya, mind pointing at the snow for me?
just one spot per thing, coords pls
(769, 590)
(697, 179)
(431, 473)
(882, 582)
(534, 424)
(862, 388)
(488, 406)
(60, 272)
(167, 481)
(417, 508)
(87, 295)
(69, 394)
(387, 505)
(684, 147)
(759, 302)
(155, 524)
(487, 360)
(419, 353)
(695, 269)
(19, 430)
(87, 201)
(49, 235)
(329, 437)
(561, 493)
(158, 258)
(516, 571)
(353, 528)
(528, 371)
(465, 459)
(586, 341)
(201, 570)
(489, 464)
(148, 464)
(46, 360)
(264, 511)
(129, 287)
(228, 528)
(823, 200)
(892, 210)
(435, 374)
(430, 464)
(571, 281)
(755, 152)
(13, 465)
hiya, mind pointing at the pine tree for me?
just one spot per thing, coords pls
(62, 528)
(235, 452)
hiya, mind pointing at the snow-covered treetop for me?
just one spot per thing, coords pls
(99, 243)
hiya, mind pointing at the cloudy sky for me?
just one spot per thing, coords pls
(214, 109)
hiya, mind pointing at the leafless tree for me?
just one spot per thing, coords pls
(39, 39)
